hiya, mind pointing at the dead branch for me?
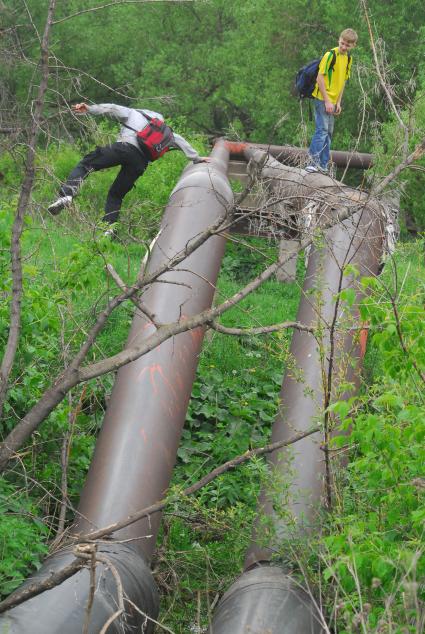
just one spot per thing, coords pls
(142, 307)
(227, 466)
(262, 330)
(112, 4)
(417, 153)
(38, 587)
(90, 555)
(120, 593)
(148, 618)
(382, 80)
(24, 197)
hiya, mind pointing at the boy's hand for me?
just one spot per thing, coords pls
(80, 108)
(329, 107)
(338, 108)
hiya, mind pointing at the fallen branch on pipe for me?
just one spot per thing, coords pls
(38, 587)
(261, 330)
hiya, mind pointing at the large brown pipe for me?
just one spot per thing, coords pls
(136, 449)
(265, 598)
(297, 156)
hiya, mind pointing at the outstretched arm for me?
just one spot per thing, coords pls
(108, 109)
(188, 150)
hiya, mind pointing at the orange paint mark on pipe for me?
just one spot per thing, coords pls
(154, 371)
(197, 334)
(235, 148)
(363, 341)
(143, 435)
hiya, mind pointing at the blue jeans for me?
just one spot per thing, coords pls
(321, 142)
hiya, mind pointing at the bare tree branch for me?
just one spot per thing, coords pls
(261, 330)
(382, 80)
(417, 153)
(143, 309)
(38, 587)
(27, 185)
(114, 4)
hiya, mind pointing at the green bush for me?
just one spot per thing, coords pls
(22, 535)
(374, 551)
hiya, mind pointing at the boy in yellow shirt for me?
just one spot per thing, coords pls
(327, 95)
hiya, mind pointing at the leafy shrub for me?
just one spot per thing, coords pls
(374, 553)
(21, 535)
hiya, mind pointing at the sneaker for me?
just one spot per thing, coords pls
(59, 204)
(311, 168)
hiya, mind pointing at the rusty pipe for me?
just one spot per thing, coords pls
(297, 156)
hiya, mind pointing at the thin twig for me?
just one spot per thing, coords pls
(112, 4)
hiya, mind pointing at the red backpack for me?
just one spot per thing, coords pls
(155, 138)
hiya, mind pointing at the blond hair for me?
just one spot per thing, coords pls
(349, 35)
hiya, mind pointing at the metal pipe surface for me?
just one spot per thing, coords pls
(296, 156)
(136, 449)
(63, 609)
(262, 600)
(358, 241)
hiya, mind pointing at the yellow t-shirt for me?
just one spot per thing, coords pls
(335, 78)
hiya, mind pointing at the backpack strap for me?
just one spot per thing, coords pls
(145, 114)
(349, 63)
(330, 63)
(128, 126)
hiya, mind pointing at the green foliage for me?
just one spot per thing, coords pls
(374, 552)
(388, 149)
(21, 535)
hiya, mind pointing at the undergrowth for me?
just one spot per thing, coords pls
(368, 561)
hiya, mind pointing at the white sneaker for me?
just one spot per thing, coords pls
(59, 204)
(311, 168)
(109, 233)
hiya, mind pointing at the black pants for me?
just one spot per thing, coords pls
(133, 164)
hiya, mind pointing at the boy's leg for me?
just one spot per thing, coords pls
(133, 166)
(326, 152)
(320, 143)
(100, 158)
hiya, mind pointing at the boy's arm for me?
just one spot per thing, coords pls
(338, 103)
(329, 106)
(188, 150)
(109, 109)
